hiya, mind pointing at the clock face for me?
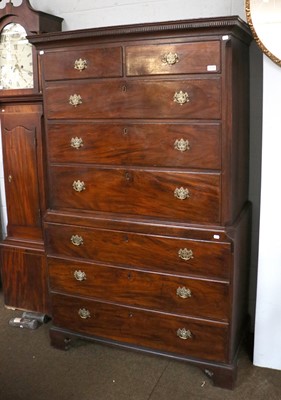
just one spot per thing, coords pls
(16, 64)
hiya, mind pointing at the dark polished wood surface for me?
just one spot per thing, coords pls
(146, 228)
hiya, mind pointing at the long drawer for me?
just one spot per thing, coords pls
(163, 292)
(134, 98)
(158, 331)
(145, 144)
(192, 197)
(138, 250)
(173, 58)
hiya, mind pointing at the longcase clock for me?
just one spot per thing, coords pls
(23, 265)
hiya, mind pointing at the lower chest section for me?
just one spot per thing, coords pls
(167, 292)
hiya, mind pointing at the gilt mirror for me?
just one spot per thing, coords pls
(264, 19)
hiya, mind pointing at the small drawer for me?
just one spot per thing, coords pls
(192, 197)
(139, 250)
(145, 144)
(174, 98)
(173, 58)
(175, 294)
(79, 64)
(168, 333)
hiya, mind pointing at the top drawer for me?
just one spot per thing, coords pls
(79, 64)
(175, 58)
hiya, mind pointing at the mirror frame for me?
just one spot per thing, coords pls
(265, 50)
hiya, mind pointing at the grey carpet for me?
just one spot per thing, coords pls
(30, 369)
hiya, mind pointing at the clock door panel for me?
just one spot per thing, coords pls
(21, 128)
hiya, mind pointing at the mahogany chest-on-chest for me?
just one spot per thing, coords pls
(147, 227)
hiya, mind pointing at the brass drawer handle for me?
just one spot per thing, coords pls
(184, 293)
(170, 58)
(79, 186)
(76, 240)
(84, 313)
(185, 254)
(75, 100)
(182, 145)
(184, 334)
(181, 97)
(181, 193)
(76, 142)
(80, 64)
(80, 275)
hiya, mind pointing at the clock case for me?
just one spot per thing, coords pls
(23, 264)
(34, 22)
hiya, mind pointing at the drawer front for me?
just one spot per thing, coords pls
(179, 295)
(149, 252)
(78, 64)
(173, 58)
(193, 197)
(189, 98)
(157, 331)
(170, 145)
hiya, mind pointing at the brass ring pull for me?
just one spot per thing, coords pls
(184, 334)
(76, 240)
(80, 64)
(181, 97)
(79, 186)
(76, 143)
(181, 193)
(185, 254)
(10, 178)
(170, 58)
(80, 275)
(184, 293)
(84, 313)
(75, 100)
(182, 145)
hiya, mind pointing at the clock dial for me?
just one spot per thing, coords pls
(16, 64)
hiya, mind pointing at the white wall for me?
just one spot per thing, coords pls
(79, 14)
(268, 312)
(94, 13)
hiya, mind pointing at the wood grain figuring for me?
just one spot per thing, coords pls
(24, 279)
(192, 58)
(145, 251)
(143, 144)
(20, 132)
(134, 99)
(141, 327)
(149, 193)
(141, 289)
(100, 63)
(24, 270)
